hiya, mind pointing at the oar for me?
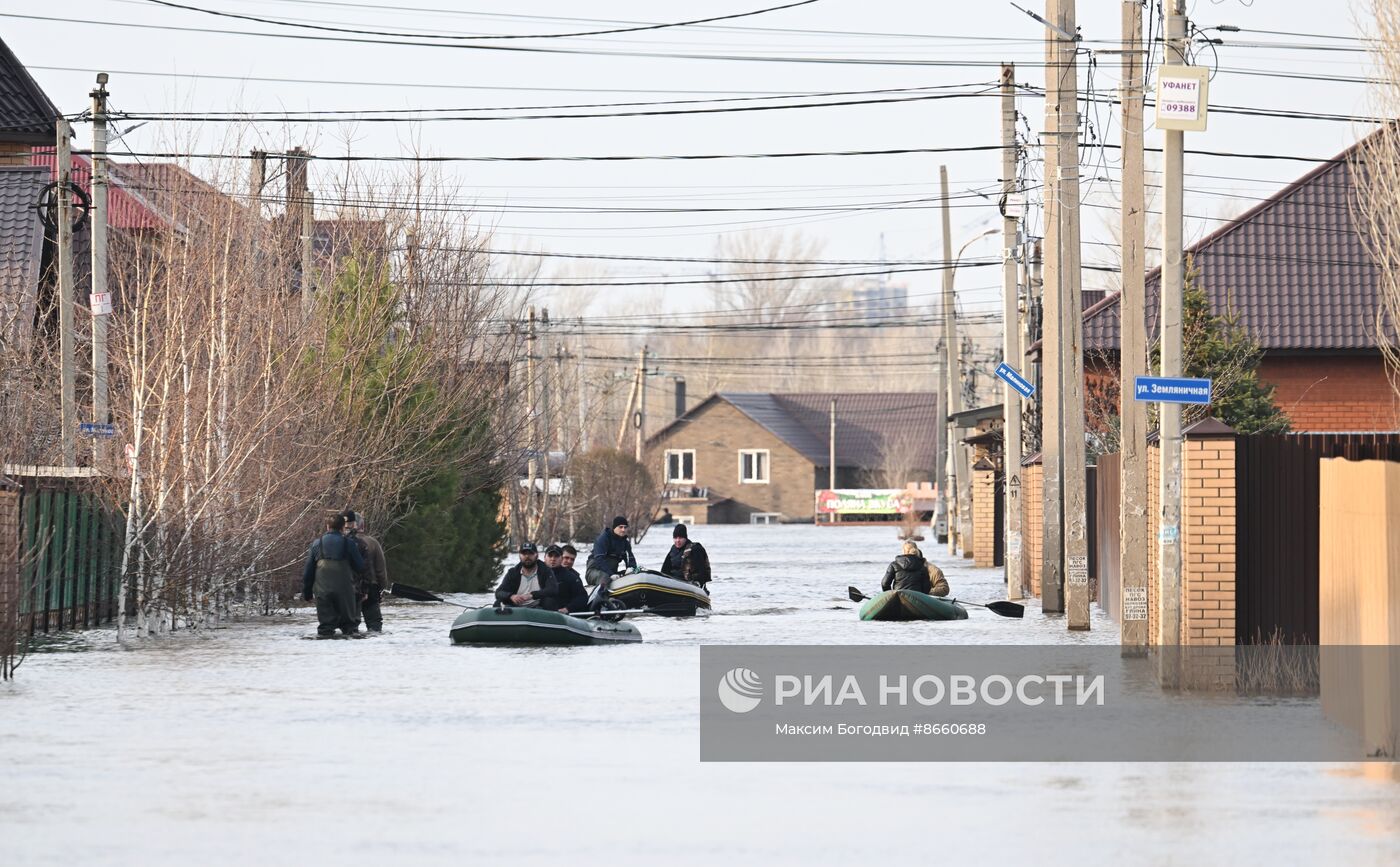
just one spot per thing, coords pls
(418, 594)
(1004, 608)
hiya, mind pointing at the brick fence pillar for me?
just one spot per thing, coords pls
(1033, 512)
(1208, 554)
(984, 493)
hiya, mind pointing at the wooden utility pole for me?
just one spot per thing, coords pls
(1011, 336)
(952, 387)
(1072, 466)
(100, 300)
(1173, 280)
(68, 414)
(300, 206)
(641, 421)
(1132, 453)
(1051, 355)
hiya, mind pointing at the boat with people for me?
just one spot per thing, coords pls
(539, 627)
(910, 605)
(658, 594)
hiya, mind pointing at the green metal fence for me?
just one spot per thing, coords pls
(70, 548)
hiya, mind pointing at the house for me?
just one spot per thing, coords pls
(1296, 270)
(761, 457)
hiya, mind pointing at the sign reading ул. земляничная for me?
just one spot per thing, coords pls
(1181, 98)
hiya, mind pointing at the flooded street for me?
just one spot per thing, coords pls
(250, 744)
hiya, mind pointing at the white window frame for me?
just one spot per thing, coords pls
(666, 466)
(767, 466)
(765, 518)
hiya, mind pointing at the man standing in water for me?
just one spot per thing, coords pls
(329, 578)
(373, 580)
(611, 549)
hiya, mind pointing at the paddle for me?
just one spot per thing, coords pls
(418, 594)
(1005, 609)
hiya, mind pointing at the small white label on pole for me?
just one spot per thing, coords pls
(1181, 97)
(100, 302)
(1134, 603)
(1077, 570)
(1013, 545)
(1168, 534)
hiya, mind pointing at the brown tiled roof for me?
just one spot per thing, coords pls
(27, 116)
(1294, 267)
(864, 422)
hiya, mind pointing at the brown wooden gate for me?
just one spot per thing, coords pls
(1276, 489)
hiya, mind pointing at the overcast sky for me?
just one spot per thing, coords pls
(154, 69)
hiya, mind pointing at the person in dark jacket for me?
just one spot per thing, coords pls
(908, 571)
(686, 560)
(529, 583)
(573, 596)
(611, 550)
(329, 578)
(373, 582)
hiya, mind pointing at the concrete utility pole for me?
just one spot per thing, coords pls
(1132, 453)
(1011, 336)
(1051, 355)
(641, 400)
(1173, 279)
(1071, 312)
(952, 388)
(68, 414)
(300, 205)
(831, 458)
(100, 301)
(257, 180)
(532, 414)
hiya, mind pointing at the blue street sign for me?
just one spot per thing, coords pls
(1017, 382)
(1168, 389)
(97, 429)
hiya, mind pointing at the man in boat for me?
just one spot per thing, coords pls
(529, 583)
(373, 581)
(611, 550)
(573, 596)
(937, 582)
(909, 571)
(329, 578)
(686, 560)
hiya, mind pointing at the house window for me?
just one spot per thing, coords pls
(753, 466)
(680, 466)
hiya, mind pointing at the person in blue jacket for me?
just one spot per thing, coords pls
(611, 551)
(329, 578)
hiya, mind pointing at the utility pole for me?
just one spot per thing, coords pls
(257, 179)
(68, 415)
(1051, 354)
(1132, 453)
(532, 432)
(300, 205)
(100, 301)
(1173, 278)
(641, 420)
(831, 458)
(1011, 337)
(952, 388)
(1071, 312)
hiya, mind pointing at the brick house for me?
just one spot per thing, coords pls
(759, 457)
(1296, 270)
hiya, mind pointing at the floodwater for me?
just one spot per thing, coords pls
(251, 745)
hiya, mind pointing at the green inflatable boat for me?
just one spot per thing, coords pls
(532, 626)
(910, 605)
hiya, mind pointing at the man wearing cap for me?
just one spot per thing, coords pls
(573, 596)
(686, 560)
(529, 583)
(373, 581)
(611, 550)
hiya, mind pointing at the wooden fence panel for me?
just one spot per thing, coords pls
(1108, 489)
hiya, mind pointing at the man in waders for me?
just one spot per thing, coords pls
(611, 550)
(329, 578)
(373, 580)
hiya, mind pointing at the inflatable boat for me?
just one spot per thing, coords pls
(659, 594)
(533, 626)
(910, 605)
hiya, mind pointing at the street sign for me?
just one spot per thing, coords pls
(1171, 389)
(97, 429)
(100, 302)
(1011, 377)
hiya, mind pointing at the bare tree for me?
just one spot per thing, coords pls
(1377, 171)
